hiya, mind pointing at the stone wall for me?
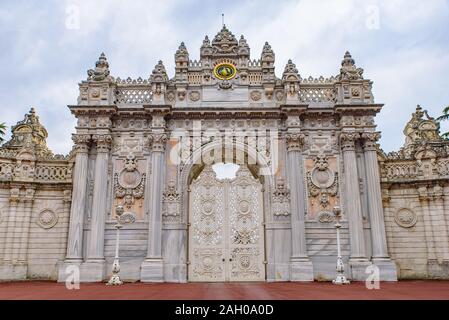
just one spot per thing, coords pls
(415, 187)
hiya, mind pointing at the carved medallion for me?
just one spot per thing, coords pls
(194, 96)
(47, 219)
(256, 95)
(405, 218)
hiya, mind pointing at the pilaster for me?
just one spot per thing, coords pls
(152, 268)
(301, 267)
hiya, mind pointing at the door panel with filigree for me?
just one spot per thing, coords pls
(206, 234)
(246, 241)
(226, 228)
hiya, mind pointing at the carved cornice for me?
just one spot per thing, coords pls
(295, 141)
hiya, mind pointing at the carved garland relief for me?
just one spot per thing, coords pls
(129, 186)
(322, 186)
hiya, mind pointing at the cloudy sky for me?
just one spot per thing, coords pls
(48, 45)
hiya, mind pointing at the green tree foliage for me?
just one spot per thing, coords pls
(2, 131)
(444, 117)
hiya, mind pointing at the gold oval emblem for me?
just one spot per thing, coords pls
(225, 71)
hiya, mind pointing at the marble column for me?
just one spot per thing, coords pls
(301, 268)
(152, 269)
(79, 180)
(380, 256)
(95, 264)
(353, 207)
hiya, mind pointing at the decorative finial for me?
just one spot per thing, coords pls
(222, 20)
(348, 69)
(101, 71)
(159, 74)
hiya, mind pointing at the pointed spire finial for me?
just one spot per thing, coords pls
(348, 70)
(101, 71)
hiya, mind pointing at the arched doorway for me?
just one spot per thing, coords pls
(226, 230)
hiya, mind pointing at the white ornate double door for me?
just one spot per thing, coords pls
(226, 233)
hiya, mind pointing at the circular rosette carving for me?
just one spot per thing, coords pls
(130, 179)
(244, 207)
(405, 218)
(208, 262)
(47, 219)
(208, 207)
(245, 261)
(322, 178)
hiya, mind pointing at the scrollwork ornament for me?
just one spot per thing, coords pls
(157, 141)
(103, 142)
(370, 140)
(81, 142)
(295, 141)
(348, 140)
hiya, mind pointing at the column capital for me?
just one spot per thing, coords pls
(423, 193)
(67, 196)
(157, 141)
(295, 141)
(29, 194)
(81, 142)
(103, 142)
(370, 140)
(348, 140)
(14, 197)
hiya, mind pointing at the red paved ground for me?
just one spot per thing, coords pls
(235, 291)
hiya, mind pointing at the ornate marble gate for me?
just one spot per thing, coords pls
(226, 233)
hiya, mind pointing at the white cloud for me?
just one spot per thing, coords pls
(406, 57)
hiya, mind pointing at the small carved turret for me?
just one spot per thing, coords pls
(244, 50)
(291, 80)
(348, 70)
(159, 74)
(101, 71)
(182, 56)
(206, 49)
(267, 56)
(29, 134)
(290, 72)
(158, 80)
(267, 61)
